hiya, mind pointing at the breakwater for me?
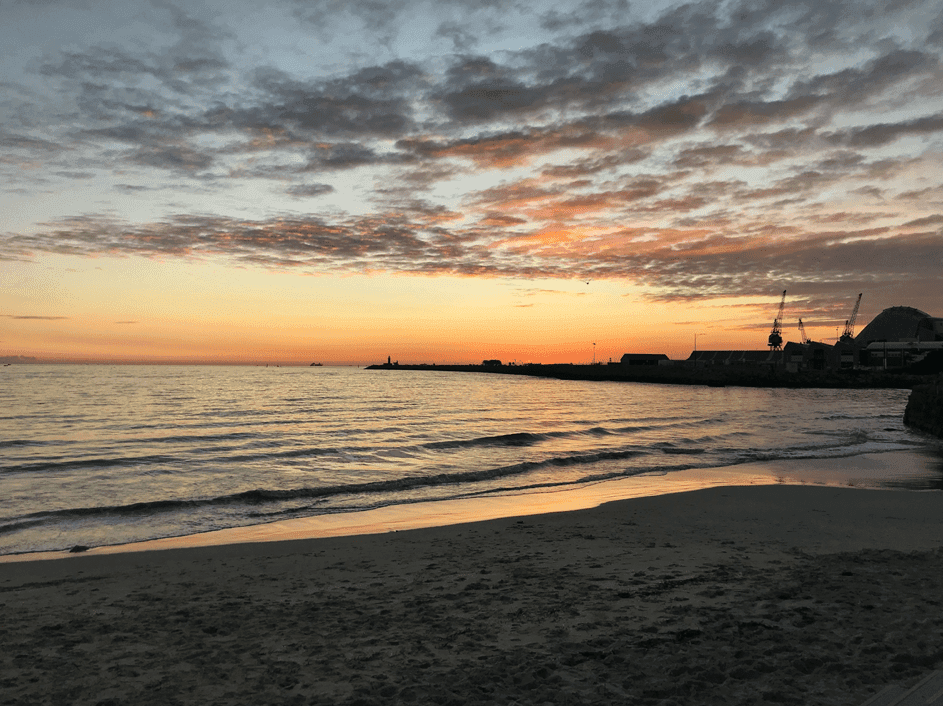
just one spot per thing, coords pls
(712, 376)
(925, 408)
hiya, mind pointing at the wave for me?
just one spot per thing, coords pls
(260, 496)
(515, 439)
(17, 526)
(154, 459)
(683, 451)
(18, 443)
(199, 438)
(518, 439)
(72, 464)
(145, 441)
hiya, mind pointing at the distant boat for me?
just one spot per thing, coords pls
(315, 365)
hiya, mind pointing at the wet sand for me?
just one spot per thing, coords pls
(730, 595)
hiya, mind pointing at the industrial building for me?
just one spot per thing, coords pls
(644, 359)
(896, 354)
(898, 337)
(901, 323)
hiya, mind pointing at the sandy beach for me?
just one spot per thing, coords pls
(728, 595)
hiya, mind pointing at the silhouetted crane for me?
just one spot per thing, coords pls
(776, 335)
(849, 333)
(805, 339)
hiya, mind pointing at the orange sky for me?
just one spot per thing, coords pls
(437, 183)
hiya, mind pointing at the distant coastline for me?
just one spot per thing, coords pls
(714, 376)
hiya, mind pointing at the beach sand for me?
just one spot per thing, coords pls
(728, 595)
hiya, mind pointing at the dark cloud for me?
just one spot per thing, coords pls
(175, 157)
(594, 165)
(928, 195)
(710, 156)
(347, 155)
(386, 20)
(715, 267)
(499, 97)
(35, 318)
(704, 148)
(501, 220)
(598, 73)
(885, 133)
(309, 190)
(370, 101)
(459, 35)
(673, 118)
(935, 220)
(890, 71)
(508, 148)
(75, 175)
(678, 264)
(369, 242)
(98, 63)
(190, 65)
(756, 113)
(12, 141)
(870, 191)
(591, 12)
(313, 113)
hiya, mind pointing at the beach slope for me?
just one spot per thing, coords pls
(740, 595)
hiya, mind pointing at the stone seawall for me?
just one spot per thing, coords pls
(714, 376)
(925, 408)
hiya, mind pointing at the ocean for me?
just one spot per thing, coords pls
(102, 455)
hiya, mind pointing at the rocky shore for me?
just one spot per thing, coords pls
(925, 408)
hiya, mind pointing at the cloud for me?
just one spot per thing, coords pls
(508, 149)
(934, 220)
(348, 155)
(309, 190)
(371, 101)
(678, 264)
(757, 113)
(884, 133)
(173, 157)
(694, 147)
(13, 141)
(34, 318)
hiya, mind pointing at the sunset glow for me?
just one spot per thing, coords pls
(454, 181)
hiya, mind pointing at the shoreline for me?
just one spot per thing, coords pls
(854, 471)
(734, 595)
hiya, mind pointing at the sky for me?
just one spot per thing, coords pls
(295, 181)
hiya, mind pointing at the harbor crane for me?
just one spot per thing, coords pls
(849, 333)
(776, 335)
(805, 339)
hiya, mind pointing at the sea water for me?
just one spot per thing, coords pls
(97, 454)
